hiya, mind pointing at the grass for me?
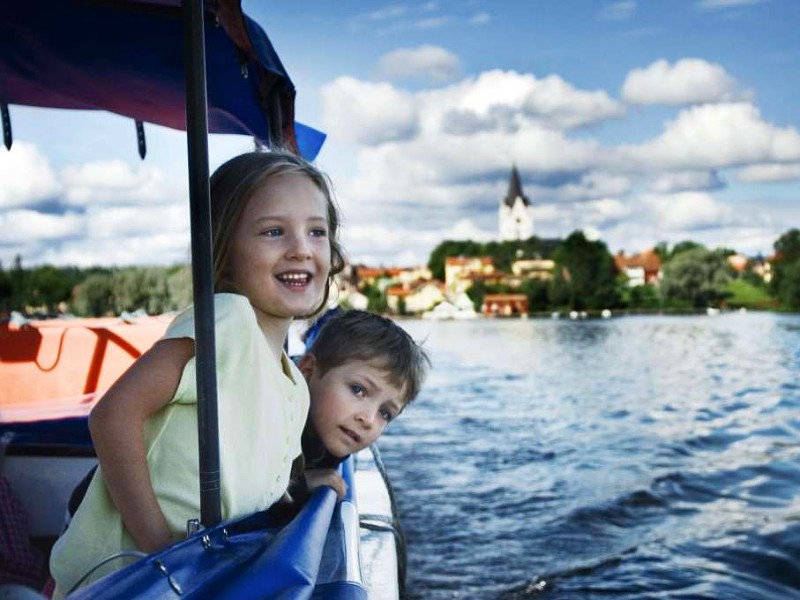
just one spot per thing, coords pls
(749, 295)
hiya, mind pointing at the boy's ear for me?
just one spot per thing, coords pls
(307, 365)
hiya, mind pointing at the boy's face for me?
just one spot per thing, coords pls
(350, 404)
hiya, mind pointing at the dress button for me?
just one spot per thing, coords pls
(277, 478)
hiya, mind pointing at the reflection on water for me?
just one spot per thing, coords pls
(639, 457)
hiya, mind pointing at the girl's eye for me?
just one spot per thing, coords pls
(319, 232)
(386, 414)
(358, 390)
(272, 232)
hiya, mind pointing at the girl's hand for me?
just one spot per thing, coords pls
(330, 477)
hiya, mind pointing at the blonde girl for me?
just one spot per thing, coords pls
(275, 251)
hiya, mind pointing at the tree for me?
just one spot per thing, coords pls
(786, 276)
(683, 246)
(698, 277)
(789, 288)
(94, 296)
(48, 286)
(585, 276)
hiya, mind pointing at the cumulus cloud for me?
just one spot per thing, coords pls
(429, 62)
(714, 136)
(30, 226)
(688, 81)
(618, 11)
(114, 182)
(769, 173)
(687, 211)
(682, 181)
(368, 113)
(26, 176)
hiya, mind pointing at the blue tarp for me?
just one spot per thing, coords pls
(248, 558)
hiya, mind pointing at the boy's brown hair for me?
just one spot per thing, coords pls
(360, 335)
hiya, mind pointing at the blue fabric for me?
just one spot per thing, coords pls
(127, 58)
(255, 560)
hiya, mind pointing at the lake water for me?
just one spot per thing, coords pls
(636, 457)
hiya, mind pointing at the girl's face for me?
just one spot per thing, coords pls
(280, 254)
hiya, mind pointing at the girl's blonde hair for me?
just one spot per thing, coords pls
(232, 186)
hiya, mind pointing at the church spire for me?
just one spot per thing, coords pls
(515, 190)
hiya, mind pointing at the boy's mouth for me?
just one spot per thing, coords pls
(294, 279)
(351, 434)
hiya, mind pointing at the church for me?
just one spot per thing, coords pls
(516, 214)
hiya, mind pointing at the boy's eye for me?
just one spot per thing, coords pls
(272, 232)
(319, 232)
(358, 390)
(386, 414)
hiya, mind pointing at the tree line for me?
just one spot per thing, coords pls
(95, 291)
(585, 276)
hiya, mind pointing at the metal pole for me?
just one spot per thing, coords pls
(200, 207)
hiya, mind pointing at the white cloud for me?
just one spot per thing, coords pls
(682, 181)
(480, 18)
(687, 210)
(30, 226)
(769, 173)
(688, 81)
(618, 11)
(713, 136)
(368, 113)
(26, 176)
(123, 222)
(114, 182)
(427, 61)
(721, 4)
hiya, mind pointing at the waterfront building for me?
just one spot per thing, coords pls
(505, 305)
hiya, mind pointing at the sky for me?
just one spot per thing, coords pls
(637, 122)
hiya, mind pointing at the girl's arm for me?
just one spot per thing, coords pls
(117, 428)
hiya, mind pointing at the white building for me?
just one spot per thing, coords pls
(516, 214)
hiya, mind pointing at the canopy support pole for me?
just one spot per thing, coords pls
(202, 275)
(8, 139)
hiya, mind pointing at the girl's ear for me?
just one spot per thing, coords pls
(307, 365)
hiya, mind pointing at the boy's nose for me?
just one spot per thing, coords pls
(366, 418)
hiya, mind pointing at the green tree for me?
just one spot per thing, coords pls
(697, 277)
(48, 286)
(785, 284)
(683, 246)
(789, 288)
(585, 276)
(536, 292)
(94, 296)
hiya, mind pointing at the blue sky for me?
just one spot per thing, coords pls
(636, 121)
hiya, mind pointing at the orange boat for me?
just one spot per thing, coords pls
(59, 368)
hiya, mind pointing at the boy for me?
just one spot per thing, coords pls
(362, 370)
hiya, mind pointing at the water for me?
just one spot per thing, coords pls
(639, 457)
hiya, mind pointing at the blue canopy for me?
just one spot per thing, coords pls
(126, 57)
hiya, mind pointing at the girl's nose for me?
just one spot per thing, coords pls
(299, 247)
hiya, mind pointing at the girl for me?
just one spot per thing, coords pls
(275, 251)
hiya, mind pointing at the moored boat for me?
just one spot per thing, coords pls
(126, 57)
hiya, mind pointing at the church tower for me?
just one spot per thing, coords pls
(516, 215)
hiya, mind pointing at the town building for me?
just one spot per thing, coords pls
(515, 213)
(505, 305)
(640, 269)
(460, 271)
